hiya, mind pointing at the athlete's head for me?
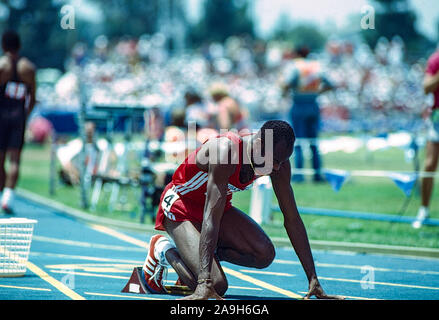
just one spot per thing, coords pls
(272, 146)
(11, 41)
(303, 51)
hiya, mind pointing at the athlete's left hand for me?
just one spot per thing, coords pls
(315, 289)
(204, 292)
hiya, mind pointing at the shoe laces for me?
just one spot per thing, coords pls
(160, 272)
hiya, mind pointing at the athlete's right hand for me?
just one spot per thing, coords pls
(204, 291)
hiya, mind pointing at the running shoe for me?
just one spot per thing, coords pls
(422, 215)
(155, 267)
(7, 209)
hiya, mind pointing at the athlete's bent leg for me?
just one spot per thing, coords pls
(242, 241)
(185, 258)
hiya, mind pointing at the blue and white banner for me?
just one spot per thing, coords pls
(404, 181)
(336, 178)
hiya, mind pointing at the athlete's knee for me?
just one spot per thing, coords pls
(266, 254)
(14, 168)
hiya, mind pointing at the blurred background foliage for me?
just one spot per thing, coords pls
(48, 45)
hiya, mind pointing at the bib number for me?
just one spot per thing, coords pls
(15, 90)
(168, 200)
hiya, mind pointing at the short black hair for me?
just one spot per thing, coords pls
(303, 51)
(11, 41)
(193, 95)
(282, 131)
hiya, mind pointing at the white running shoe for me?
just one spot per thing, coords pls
(422, 215)
(155, 268)
(7, 200)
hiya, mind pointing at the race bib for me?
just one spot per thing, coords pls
(15, 90)
(168, 200)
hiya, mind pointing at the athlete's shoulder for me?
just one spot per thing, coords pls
(26, 66)
(219, 151)
(222, 144)
(5, 63)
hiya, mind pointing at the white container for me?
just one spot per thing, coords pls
(260, 201)
(15, 241)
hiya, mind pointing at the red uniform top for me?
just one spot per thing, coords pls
(432, 69)
(184, 198)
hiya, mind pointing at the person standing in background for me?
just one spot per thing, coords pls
(305, 81)
(229, 113)
(17, 100)
(431, 85)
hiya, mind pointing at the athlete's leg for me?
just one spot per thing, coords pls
(2, 170)
(185, 257)
(14, 156)
(242, 241)
(431, 162)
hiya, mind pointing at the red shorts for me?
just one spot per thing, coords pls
(177, 208)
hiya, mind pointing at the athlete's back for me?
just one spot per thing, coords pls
(17, 77)
(190, 178)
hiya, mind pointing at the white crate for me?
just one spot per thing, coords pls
(15, 241)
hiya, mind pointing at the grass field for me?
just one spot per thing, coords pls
(367, 194)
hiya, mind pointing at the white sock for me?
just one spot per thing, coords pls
(161, 247)
(7, 196)
(422, 212)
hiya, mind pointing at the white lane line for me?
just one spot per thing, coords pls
(24, 288)
(84, 244)
(356, 267)
(120, 296)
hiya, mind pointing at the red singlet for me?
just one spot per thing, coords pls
(431, 69)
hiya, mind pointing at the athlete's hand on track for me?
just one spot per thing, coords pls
(315, 289)
(204, 292)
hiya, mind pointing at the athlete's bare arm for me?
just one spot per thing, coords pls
(295, 228)
(26, 71)
(219, 171)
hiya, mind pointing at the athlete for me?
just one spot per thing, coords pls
(197, 213)
(17, 99)
(431, 85)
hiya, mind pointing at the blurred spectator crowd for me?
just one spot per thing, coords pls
(235, 84)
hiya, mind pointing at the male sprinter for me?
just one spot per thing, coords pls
(196, 211)
(17, 90)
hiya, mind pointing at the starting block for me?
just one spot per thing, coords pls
(136, 284)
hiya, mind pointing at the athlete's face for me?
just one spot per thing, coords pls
(271, 157)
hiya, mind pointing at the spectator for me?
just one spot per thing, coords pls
(195, 110)
(68, 156)
(229, 112)
(306, 81)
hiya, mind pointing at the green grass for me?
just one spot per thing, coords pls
(368, 194)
